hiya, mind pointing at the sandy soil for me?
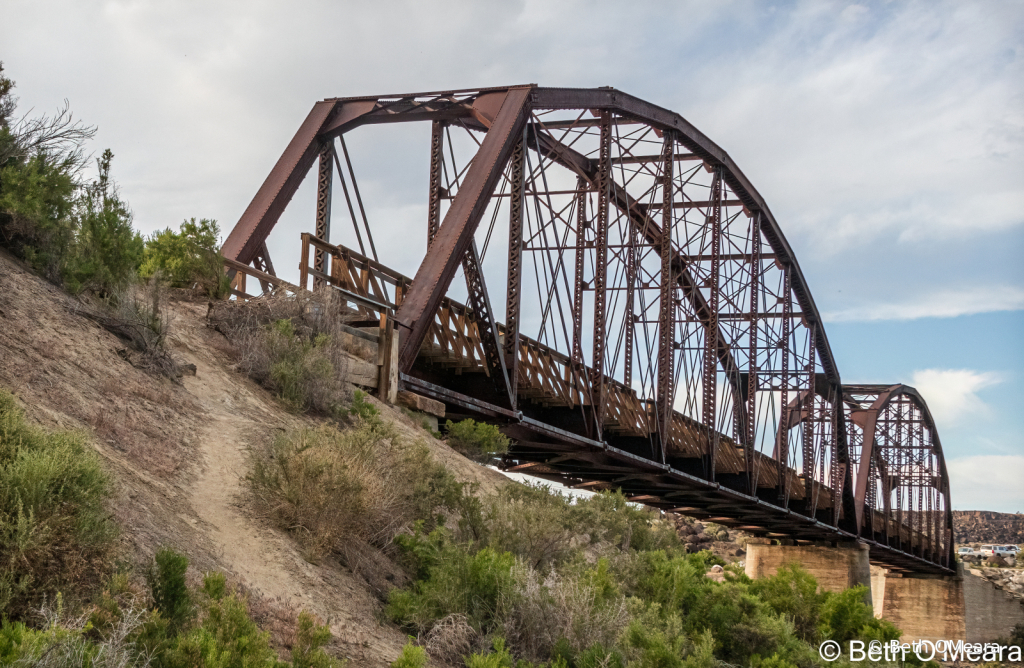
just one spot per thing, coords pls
(178, 451)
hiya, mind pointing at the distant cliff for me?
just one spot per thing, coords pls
(983, 526)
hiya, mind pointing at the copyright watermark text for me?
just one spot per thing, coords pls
(925, 650)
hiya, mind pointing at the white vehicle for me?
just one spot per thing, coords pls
(997, 551)
(1013, 548)
(966, 551)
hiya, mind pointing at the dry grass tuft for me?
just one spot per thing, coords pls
(451, 639)
(291, 344)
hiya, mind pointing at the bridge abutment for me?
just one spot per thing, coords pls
(964, 606)
(924, 607)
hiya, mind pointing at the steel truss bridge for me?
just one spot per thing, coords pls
(656, 333)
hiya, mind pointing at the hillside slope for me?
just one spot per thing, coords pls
(178, 451)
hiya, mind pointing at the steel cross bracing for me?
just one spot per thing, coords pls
(657, 335)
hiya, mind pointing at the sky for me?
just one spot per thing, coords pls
(886, 138)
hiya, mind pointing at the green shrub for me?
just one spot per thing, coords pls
(793, 592)
(167, 586)
(361, 408)
(76, 235)
(305, 370)
(64, 642)
(310, 638)
(215, 586)
(845, 616)
(477, 440)
(54, 532)
(502, 658)
(544, 527)
(456, 581)
(655, 641)
(189, 258)
(227, 637)
(298, 367)
(294, 345)
(411, 657)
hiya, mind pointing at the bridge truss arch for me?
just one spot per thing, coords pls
(652, 332)
(902, 486)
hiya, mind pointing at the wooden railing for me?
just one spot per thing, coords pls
(242, 272)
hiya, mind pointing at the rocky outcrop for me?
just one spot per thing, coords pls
(1010, 580)
(697, 536)
(983, 526)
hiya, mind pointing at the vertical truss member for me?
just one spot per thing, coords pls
(434, 202)
(750, 434)
(667, 305)
(710, 371)
(601, 273)
(324, 187)
(515, 270)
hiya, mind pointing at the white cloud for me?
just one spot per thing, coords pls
(940, 304)
(900, 120)
(952, 394)
(987, 482)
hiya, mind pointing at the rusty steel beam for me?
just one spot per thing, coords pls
(456, 232)
(515, 270)
(750, 431)
(666, 305)
(577, 300)
(277, 190)
(600, 271)
(709, 374)
(809, 423)
(436, 160)
(487, 327)
(324, 189)
(782, 435)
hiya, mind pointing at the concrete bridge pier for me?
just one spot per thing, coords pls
(925, 607)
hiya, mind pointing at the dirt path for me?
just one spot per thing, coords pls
(238, 415)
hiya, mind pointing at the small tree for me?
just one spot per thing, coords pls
(478, 441)
(109, 250)
(188, 258)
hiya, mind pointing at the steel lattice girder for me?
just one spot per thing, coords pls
(813, 400)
